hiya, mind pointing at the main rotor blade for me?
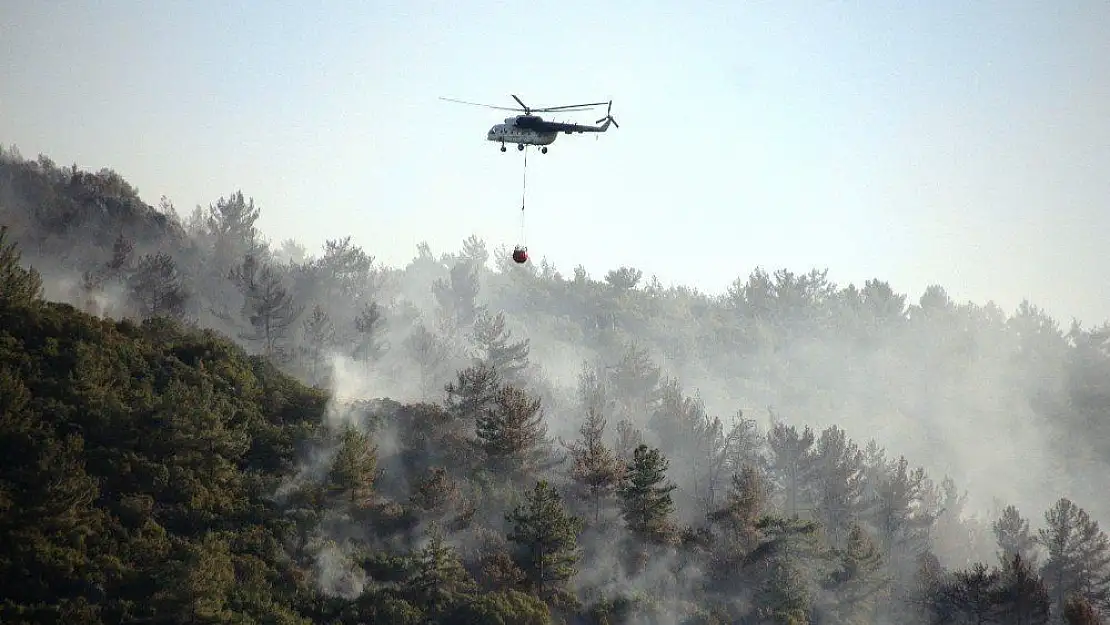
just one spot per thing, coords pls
(570, 107)
(522, 104)
(489, 106)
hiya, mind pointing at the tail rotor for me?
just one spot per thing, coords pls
(608, 116)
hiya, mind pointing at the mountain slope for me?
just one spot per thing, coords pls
(199, 441)
(131, 450)
(68, 219)
(141, 480)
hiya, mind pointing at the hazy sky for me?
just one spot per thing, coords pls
(959, 143)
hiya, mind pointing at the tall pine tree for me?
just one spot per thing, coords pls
(792, 464)
(369, 327)
(319, 336)
(157, 288)
(1012, 534)
(858, 584)
(838, 482)
(596, 468)
(457, 297)
(497, 349)
(512, 432)
(546, 540)
(1022, 596)
(17, 284)
(645, 495)
(268, 304)
(439, 576)
(354, 468)
(1078, 555)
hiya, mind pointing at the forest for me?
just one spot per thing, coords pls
(202, 426)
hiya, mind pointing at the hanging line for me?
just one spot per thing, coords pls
(523, 193)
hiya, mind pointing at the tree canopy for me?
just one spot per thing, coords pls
(199, 427)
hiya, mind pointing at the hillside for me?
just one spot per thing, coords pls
(141, 463)
(566, 473)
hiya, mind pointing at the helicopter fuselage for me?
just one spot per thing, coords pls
(526, 133)
(534, 130)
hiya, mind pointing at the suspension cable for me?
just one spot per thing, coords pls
(523, 193)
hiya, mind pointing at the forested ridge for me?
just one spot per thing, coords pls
(201, 426)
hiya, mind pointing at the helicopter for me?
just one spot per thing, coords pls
(529, 129)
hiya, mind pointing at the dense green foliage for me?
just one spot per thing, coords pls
(137, 463)
(170, 454)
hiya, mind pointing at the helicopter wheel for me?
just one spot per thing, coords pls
(544, 150)
(502, 147)
(520, 146)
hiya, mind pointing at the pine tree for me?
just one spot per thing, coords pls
(120, 262)
(1078, 555)
(456, 298)
(354, 468)
(783, 598)
(926, 592)
(231, 224)
(546, 539)
(319, 336)
(688, 432)
(635, 383)
(645, 499)
(746, 503)
(196, 431)
(1012, 533)
(198, 585)
(972, 595)
(509, 359)
(430, 353)
(792, 464)
(736, 529)
(596, 468)
(475, 251)
(292, 252)
(342, 269)
(1022, 596)
(157, 288)
(859, 582)
(629, 437)
(439, 575)
(512, 432)
(473, 391)
(433, 491)
(268, 305)
(897, 511)
(745, 444)
(787, 537)
(593, 395)
(838, 481)
(117, 270)
(17, 284)
(369, 326)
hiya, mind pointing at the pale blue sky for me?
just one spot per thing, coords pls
(961, 143)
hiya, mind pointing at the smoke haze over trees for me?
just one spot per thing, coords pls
(490, 440)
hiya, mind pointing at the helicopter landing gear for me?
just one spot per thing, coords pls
(520, 146)
(543, 149)
(502, 147)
